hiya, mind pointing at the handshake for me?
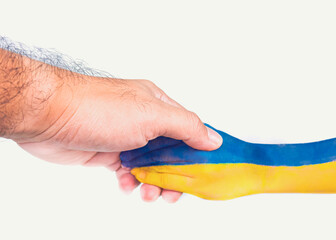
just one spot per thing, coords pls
(236, 169)
(68, 117)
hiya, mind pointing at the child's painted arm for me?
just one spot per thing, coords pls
(237, 168)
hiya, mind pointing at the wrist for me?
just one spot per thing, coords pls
(317, 178)
(301, 168)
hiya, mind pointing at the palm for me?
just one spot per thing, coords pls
(61, 155)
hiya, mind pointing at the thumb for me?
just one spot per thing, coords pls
(179, 123)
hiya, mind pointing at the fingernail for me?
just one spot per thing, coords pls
(214, 137)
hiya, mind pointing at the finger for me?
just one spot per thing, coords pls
(127, 182)
(159, 143)
(149, 193)
(168, 181)
(170, 196)
(121, 171)
(106, 159)
(184, 125)
(114, 166)
(174, 155)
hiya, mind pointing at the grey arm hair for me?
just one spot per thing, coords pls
(51, 57)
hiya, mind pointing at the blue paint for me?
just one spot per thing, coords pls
(167, 151)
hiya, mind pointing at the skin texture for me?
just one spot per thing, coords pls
(69, 118)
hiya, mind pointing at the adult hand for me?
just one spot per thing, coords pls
(79, 119)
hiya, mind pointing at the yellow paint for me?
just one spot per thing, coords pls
(227, 181)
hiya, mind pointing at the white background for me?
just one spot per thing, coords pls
(263, 71)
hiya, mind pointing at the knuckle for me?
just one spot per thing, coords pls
(193, 119)
(152, 86)
(147, 87)
(161, 95)
(150, 134)
(195, 123)
(140, 141)
(147, 82)
(149, 128)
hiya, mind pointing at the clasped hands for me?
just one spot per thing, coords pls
(237, 168)
(70, 118)
(74, 119)
(221, 174)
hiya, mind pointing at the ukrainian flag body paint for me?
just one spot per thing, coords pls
(237, 168)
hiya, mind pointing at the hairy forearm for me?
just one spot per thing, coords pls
(11, 87)
(22, 92)
(36, 86)
(33, 94)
